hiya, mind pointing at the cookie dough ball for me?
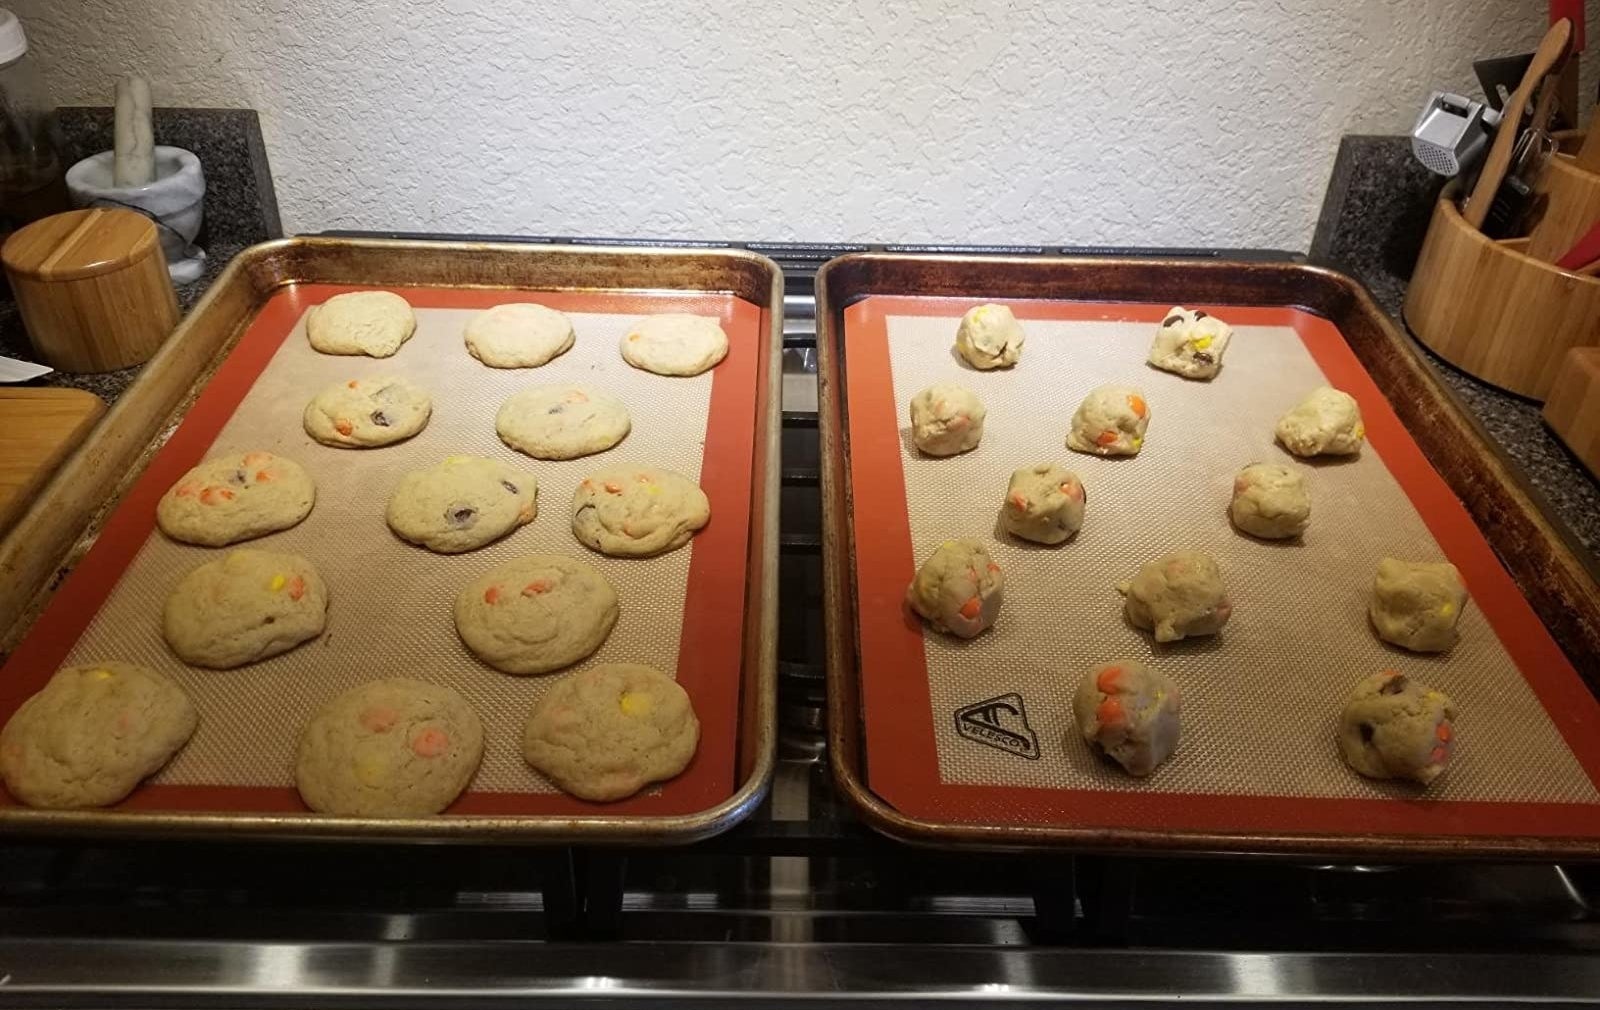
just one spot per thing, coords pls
(92, 734)
(237, 497)
(638, 511)
(389, 748)
(518, 335)
(1044, 503)
(1416, 604)
(1130, 713)
(675, 343)
(1178, 596)
(989, 337)
(374, 323)
(1270, 501)
(462, 503)
(946, 419)
(536, 614)
(1110, 422)
(1326, 423)
(562, 422)
(604, 733)
(1396, 728)
(366, 413)
(246, 606)
(1190, 344)
(958, 590)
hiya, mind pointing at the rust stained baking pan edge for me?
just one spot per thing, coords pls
(62, 523)
(1556, 580)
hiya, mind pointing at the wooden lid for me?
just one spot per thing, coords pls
(80, 243)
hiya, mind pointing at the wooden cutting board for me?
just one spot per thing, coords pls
(38, 429)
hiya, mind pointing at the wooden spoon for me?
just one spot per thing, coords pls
(1548, 57)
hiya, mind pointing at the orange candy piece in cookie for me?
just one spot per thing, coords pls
(1020, 501)
(185, 491)
(1110, 712)
(343, 426)
(1444, 732)
(536, 587)
(430, 743)
(613, 488)
(297, 587)
(378, 718)
(1107, 437)
(1109, 679)
(491, 595)
(972, 608)
(1137, 405)
(213, 495)
(257, 458)
(352, 384)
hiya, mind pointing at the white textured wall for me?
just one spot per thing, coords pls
(1155, 122)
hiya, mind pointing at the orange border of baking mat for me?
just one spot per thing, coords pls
(902, 757)
(708, 650)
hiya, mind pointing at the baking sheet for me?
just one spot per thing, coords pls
(391, 602)
(1261, 698)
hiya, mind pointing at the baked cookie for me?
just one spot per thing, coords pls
(1130, 713)
(1190, 344)
(629, 511)
(989, 337)
(245, 606)
(1110, 421)
(1178, 596)
(1270, 501)
(389, 748)
(1044, 503)
(946, 419)
(92, 734)
(462, 503)
(236, 497)
(536, 614)
(675, 343)
(374, 323)
(562, 422)
(1396, 728)
(518, 335)
(606, 732)
(1326, 423)
(958, 589)
(1416, 604)
(364, 413)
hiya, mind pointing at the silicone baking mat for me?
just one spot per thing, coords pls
(391, 603)
(981, 730)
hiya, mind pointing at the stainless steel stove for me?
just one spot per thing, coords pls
(800, 903)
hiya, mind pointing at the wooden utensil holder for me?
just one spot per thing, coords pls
(92, 288)
(1493, 311)
(1572, 206)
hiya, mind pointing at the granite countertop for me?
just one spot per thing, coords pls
(1373, 221)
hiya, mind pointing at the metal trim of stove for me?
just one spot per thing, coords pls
(146, 973)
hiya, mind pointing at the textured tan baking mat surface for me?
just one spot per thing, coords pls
(391, 603)
(1261, 698)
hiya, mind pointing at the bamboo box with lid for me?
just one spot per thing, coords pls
(92, 288)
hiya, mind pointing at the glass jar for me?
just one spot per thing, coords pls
(32, 183)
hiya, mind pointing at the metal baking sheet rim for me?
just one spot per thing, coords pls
(63, 522)
(1567, 587)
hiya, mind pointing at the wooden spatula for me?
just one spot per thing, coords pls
(1547, 58)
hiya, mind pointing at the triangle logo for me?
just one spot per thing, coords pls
(1001, 723)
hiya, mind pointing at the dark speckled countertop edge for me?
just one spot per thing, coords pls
(1374, 217)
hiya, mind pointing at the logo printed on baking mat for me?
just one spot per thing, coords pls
(1001, 723)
